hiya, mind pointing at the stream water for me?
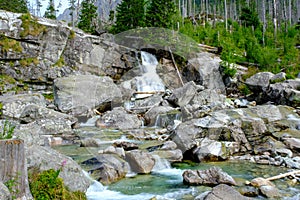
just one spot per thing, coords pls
(165, 181)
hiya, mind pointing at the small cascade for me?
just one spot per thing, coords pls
(90, 122)
(161, 164)
(149, 82)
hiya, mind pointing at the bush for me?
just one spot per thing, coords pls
(47, 185)
(7, 130)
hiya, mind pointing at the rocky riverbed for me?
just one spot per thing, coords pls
(125, 110)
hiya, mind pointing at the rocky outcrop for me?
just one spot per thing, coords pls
(79, 95)
(140, 162)
(248, 128)
(210, 177)
(47, 49)
(44, 158)
(274, 88)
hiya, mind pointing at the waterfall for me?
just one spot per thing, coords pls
(160, 164)
(149, 81)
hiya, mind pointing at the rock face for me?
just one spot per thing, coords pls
(139, 161)
(46, 49)
(259, 81)
(78, 95)
(204, 69)
(209, 177)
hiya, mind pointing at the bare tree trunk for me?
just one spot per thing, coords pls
(264, 20)
(225, 10)
(275, 20)
(290, 12)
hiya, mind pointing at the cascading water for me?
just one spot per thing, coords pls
(149, 82)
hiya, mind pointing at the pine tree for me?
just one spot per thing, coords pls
(130, 15)
(160, 13)
(18, 6)
(88, 17)
(72, 11)
(50, 12)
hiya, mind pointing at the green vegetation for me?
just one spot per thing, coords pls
(72, 34)
(47, 185)
(28, 61)
(12, 186)
(60, 62)
(50, 11)
(130, 15)
(88, 17)
(8, 44)
(18, 6)
(7, 130)
(31, 26)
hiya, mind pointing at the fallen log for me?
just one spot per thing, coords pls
(283, 175)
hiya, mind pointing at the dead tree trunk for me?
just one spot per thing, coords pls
(13, 170)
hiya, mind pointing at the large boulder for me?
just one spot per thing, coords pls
(45, 158)
(80, 94)
(160, 116)
(140, 161)
(210, 177)
(224, 192)
(14, 105)
(120, 119)
(260, 81)
(204, 69)
(107, 168)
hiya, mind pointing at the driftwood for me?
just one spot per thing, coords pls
(178, 73)
(148, 92)
(257, 182)
(283, 175)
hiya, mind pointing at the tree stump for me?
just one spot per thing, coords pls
(13, 170)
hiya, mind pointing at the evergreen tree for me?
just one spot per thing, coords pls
(18, 6)
(88, 17)
(249, 18)
(130, 15)
(160, 13)
(50, 11)
(72, 11)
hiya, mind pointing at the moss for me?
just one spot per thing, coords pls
(1, 107)
(244, 89)
(47, 185)
(8, 44)
(60, 62)
(72, 34)
(251, 71)
(28, 61)
(31, 26)
(49, 96)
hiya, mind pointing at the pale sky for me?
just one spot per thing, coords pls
(64, 4)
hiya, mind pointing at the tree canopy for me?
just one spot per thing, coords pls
(18, 6)
(88, 17)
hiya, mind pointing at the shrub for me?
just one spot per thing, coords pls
(7, 130)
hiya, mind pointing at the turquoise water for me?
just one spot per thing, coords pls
(165, 182)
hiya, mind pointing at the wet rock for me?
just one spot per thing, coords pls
(127, 146)
(204, 69)
(109, 168)
(44, 158)
(224, 192)
(90, 142)
(80, 94)
(168, 145)
(284, 152)
(260, 81)
(293, 163)
(14, 105)
(210, 177)
(249, 191)
(4, 192)
(269, 191)
(170, 155)
(118, 118)
(140, 162)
